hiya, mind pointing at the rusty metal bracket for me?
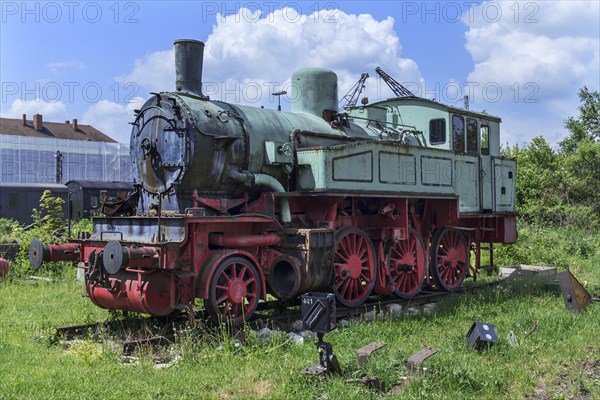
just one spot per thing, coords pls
(328, 362)
(415, 362)
(365, 352)
(327, 359)
(156, 341)
(575, 296)
(74, 331)
(371, 382)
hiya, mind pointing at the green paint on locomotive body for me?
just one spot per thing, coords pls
(411, 160)
(409, 146)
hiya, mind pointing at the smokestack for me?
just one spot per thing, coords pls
(24, 119)
(37, 122)
(74, 124)
(189, 56)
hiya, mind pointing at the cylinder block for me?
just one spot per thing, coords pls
(286, 277)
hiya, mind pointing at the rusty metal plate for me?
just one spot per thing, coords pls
(156, 341)
(574, 294)
(365, 352)
(71, 332)
(415, 362)
(316, 369)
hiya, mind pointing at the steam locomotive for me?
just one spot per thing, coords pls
(235, 202)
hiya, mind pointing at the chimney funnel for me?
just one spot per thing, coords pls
(37, 122)
(189, 55)
(74, 124)
(24, 119)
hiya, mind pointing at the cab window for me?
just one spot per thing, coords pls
(472, 136)
(437, 131)
(458, 133)
(484, 132)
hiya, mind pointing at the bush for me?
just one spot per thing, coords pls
(48, 226)
(6, 228)
(559, 187)
(556, 247)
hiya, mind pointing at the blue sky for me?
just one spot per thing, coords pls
(96, 61)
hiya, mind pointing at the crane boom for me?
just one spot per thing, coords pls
(397, 88)
(354, 93)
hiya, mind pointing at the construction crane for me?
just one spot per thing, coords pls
(397, 88)
(353, 94)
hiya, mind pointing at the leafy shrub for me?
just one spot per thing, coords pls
(6, 228)
(559, 187)
(557, 247)
(48, 226)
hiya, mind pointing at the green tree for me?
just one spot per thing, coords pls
(581, 151)
(562, 187)
(540, 192)
(47, 226)
(52, 210)
(583, 166)
(587, 125)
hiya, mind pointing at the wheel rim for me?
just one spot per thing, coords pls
(407, 266)
(354, 262)
(234, 291)
(450, 259)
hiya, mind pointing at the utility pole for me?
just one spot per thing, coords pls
(279, 94)
(59, 166)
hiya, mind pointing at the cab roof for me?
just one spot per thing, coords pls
(430, 104)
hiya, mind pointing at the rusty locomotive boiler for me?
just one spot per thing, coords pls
(236, 202)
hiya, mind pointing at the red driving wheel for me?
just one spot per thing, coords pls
(355, 266)
(449, 258)
(234, 290)
(406, 261)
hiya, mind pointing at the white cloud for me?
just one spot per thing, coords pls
(517, 57)
(74, 64)
(539, 54)
(155, 71)
(554, 19)
(112, 118)
(51, 111)
(250, 50)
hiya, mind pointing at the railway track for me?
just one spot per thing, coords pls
(380, 305)
(268, 315)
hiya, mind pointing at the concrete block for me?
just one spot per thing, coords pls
(527, 271)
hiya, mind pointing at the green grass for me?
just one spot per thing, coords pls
(558, 354)
(575, 249)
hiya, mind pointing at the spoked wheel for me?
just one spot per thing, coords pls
(449, 258)
(382, 283)
(406, 260)
(234, 291)
(355, 266)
